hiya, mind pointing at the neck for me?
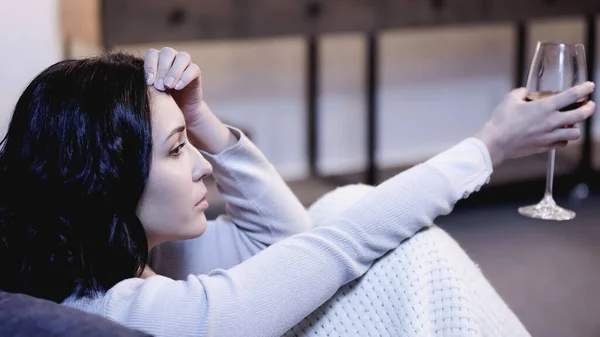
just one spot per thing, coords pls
(152, 242)
(147, 272)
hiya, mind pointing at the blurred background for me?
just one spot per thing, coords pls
(346, 91)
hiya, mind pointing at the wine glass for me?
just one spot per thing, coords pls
(555, 67)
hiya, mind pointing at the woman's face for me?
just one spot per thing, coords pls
(174, 200)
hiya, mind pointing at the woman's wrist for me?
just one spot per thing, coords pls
(491, 137)
(208, 133)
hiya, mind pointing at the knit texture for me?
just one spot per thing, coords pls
(427, 286)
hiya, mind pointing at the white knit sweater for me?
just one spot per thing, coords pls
(259, 270)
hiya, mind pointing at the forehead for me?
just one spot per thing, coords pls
(165, 113)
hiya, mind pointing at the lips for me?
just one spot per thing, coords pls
(202, 200)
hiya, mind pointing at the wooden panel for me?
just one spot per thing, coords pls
(272, 17)
(529, 9)
(402, 13)
(139, 21)
(348, 15)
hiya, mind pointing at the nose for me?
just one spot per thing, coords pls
(202, 167)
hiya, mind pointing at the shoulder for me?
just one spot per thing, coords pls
(135, 295)
(158, 304)
(102, 304)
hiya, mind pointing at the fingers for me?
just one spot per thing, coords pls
(150, 65)
(562, 135)
(570, 96)
(169, 69)
(574, 116)
(520, 93)
(165, 61)
(560, 144)
(191, 73)
(181, 63)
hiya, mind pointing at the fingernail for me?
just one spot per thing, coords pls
(149, 78)
(592, 85)
(160, 84)
(179, 85)
(170, 81)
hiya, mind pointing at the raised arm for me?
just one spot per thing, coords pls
(260, 207)
(269, 293)
(260, 210)
(258, 201)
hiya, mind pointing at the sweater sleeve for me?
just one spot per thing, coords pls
(260, 210)
(272, 291)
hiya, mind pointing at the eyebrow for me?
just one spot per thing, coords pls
(177, 130)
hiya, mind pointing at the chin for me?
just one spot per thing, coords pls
(185, 231)
(196, 228)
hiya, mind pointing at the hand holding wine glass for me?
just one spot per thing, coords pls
(541, 117)
(555, 68)
(519, 128)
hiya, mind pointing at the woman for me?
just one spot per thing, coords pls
(111, 153)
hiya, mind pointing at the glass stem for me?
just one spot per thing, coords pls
(550, 174)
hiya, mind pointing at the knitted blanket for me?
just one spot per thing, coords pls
(426, 287)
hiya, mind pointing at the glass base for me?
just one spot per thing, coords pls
(547, 210)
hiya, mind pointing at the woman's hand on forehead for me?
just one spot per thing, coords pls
(169, 69)
(174, 72)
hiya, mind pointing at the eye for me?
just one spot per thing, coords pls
(177, 151)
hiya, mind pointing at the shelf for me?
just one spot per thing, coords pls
(148, 21)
